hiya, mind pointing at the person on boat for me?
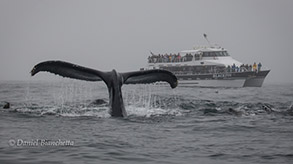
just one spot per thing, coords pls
(228, 68)
(259, 66)
(179, 57)
(166, 58)
(150, 59)
(254, 67)
(200, 56)
(233, 67)
(161, 58)
(183, 58)
(250, 68)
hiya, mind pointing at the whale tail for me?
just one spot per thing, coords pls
(74, 71)
(113, 80)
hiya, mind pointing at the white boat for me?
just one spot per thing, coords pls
(209, 66)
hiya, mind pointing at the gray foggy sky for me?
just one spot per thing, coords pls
(119, 34)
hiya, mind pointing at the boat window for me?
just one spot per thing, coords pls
(226, 53)
(196, 57)
(214, 54)
(218, 54)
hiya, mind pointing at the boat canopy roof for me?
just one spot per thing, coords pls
(197, 50)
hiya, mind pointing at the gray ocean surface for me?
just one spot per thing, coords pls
(67, 121)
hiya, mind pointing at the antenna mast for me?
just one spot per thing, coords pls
(206, 37)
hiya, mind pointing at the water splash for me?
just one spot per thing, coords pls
(72, 98)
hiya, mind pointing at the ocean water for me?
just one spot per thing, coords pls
(67, 121)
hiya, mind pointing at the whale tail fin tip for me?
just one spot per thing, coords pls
(69, 70)
(33, 71)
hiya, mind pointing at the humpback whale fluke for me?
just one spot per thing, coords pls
(113, 79)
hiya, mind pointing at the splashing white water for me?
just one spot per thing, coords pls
(72, 98)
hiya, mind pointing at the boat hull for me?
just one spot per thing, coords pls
(235, 79)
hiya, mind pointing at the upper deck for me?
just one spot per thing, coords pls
(197, 56)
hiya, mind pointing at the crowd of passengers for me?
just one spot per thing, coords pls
(243, 68)
(172, 58)
(167, 58)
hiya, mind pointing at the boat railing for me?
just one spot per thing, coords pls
(175, 58)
